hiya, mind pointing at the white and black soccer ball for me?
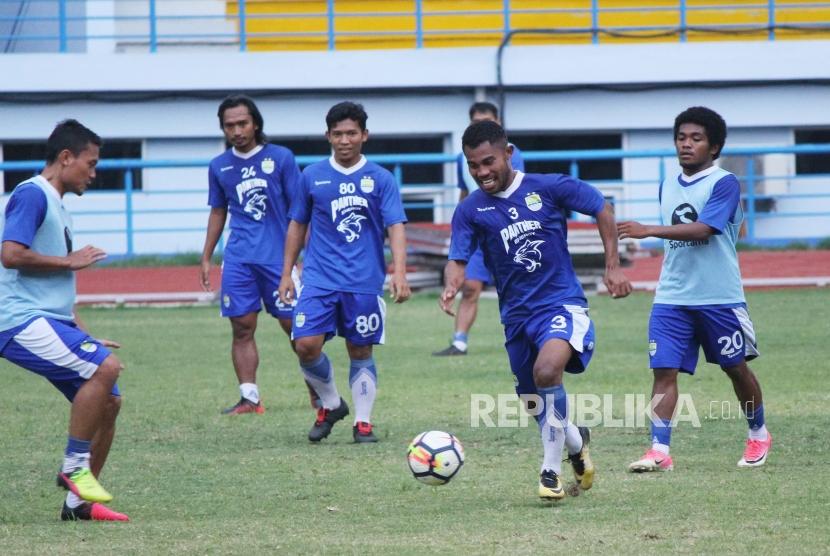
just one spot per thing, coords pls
(435, 457)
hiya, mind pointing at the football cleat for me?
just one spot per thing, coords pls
(653, 460)
(550, 486)
(326, 418)
(83, 484)
(244, 406)
(451, 350)
(755, 454)
(581, 461)
(362, 432)
(91, 512)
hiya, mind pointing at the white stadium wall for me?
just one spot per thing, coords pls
(169, 101)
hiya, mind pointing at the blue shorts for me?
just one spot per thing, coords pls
(360, 318)
(475, 268)
(524, 340)
(57, 350)
(677, 332)
(247, 287)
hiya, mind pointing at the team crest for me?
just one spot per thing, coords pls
(299, 320)
(226, 301)
(652, 347)
(367, 184)
(88, 347)
(533, 201)
(529, 254)
(268, 165)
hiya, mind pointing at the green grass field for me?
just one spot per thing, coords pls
(193, 481)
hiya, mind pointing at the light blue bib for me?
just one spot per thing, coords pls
(28, 294)
(702, 272)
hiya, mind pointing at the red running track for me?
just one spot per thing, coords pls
(174, 279)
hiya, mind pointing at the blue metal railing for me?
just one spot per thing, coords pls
(52, 21)
(750, 179)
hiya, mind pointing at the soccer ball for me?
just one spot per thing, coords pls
(435, 457)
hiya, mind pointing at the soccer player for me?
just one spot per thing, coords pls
(476, 274)
(348, 202)
(38, 328)
(699, 299)
(518, 222)
(254, 181)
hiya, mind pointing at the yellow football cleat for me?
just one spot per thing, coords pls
(581, 462)
(83, 484)
(550, 486)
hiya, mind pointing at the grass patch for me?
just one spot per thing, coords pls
(194, 481)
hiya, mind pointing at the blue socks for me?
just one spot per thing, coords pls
(459, 340)
(320, 376)
(661, 435)
(755, 416)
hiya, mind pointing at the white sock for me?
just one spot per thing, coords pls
(249, 391)
(553, 440)
(573, 440)
(760, 433)
(73, 501)
(662, 448)
(320, 375)
(75, 461)
(460, 345)
(363, 382)
(553, 426)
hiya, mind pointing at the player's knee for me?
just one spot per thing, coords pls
(243, 333)
(546, 375)
(665, 377)
(307, 350)
(736, 371)
(109, 370)
(359, 352)
(471, 291)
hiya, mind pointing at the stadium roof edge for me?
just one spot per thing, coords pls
(553, 66)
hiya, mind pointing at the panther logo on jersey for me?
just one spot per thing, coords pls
(351, 226)
(529, 254)
(684, 214)
(255, 206)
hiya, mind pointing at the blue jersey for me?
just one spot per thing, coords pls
(348, 210)
(256, 188)
(35, 217)
(701, 272)
(524, 236)
(465, 179)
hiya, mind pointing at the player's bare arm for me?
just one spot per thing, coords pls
(398, 286)
(216, 223)
(681, 232)
(294, 239)
(18, 256)
(614, 278)
(453, 279)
